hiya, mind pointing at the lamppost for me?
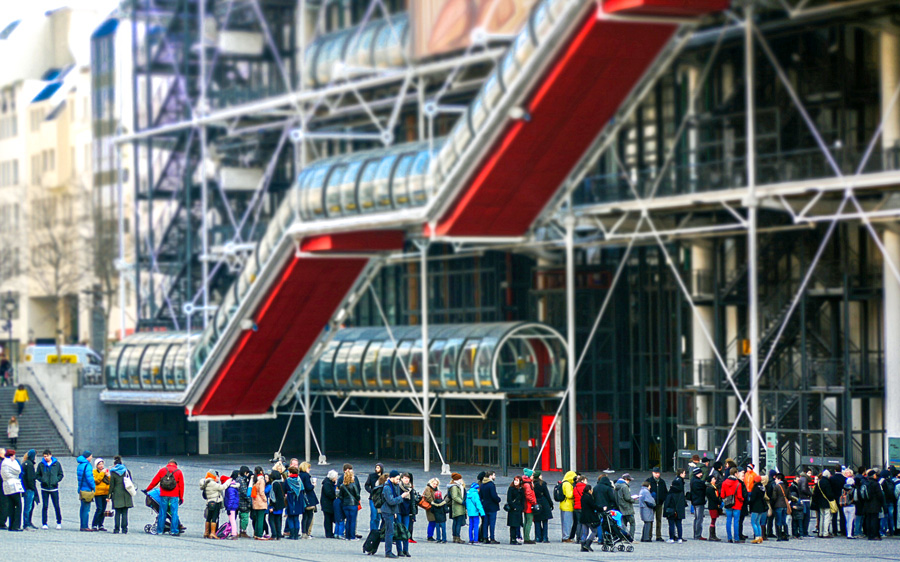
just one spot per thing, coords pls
(9, 305)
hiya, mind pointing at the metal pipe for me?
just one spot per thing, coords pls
(423, 291)
(753, 207)
(570, 335)
(204, 196)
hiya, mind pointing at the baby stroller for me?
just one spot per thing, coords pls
(613, 537)
(152, 501)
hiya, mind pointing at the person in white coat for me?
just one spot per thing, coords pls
(10, 472)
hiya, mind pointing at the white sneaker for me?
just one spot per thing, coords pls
(59, 526)
(44, 527)
(671, 541)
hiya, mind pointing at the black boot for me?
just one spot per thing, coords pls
(712, 535)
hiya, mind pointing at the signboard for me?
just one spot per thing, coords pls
(771, 451)
(894, 451)
(442, 26)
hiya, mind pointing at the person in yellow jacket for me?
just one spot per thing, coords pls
(101, 494)
(567, 506)
(20, 397)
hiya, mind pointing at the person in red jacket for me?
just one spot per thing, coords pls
(530, 502)
(731, 488)
(171, 492)
(577, 492)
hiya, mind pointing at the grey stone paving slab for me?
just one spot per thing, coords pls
(54, 545)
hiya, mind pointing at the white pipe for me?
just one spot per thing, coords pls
(570, 337)
(753, 204)
(423, 292)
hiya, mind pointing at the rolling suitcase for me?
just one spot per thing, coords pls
(373, 541)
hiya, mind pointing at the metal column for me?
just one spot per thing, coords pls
(752, 204)
(891, 340)
(426, 417)
(570, 335)
(307, 425)
(444, 440)
(503, 440)
(204, 198)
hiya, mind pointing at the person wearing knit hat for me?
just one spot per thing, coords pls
(29, 482)
(119, 494)
(392, 497)
(528, 472)
(101, 494)
(697, 497)
(213, 492)
(84, 478)
(456, 476)
(457, 495)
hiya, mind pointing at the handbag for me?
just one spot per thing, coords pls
(832, 505)
(423, 503)
(86, 496)
(401, 533)
(729, 501)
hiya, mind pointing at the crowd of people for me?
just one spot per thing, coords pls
(280, 503)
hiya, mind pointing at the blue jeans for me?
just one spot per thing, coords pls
(804, 528)
(491, 521)
(473, 527)
(350, 514)
(675, 529)
(781, 520)
(458, 523)
(403, 546)
(430, 532)
(27, 509)
(388, 522)
(46, 498)
(441, 531)
(374, 516)
(755, 523)
(887, 522)
(84, 512)
(167, 504)
(567, 518)
(733, 521)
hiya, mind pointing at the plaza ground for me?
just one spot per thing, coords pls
(53, 544)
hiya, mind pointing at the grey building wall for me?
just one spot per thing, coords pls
(96, 425)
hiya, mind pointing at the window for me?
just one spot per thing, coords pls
(9, 173)
(36, 169)
(72, 160)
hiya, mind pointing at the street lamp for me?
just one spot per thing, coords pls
(9, 305)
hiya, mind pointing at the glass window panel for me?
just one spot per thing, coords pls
(483, 362)
(385, 364)
(354, 361)
(467, 364)
(449, 378)
(333, 191)
(366, 188)
(370, 365)
(415, 364)
(381, 185)
(348, 187)
(434, 363)
(341, 365)
(323, 374)
(400, 183)
(402, 358)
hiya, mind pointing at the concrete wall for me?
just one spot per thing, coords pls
(52, 386)
(96, 423)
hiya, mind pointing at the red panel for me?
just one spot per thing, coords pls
(362, 241)
(677, 8)
(301, 303)
(578, 96)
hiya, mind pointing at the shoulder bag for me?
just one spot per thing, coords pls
(87, 496)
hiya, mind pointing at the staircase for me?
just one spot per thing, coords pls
(36, 430)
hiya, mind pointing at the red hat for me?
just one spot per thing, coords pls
(10, 453)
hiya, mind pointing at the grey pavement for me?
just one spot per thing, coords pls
(53, 544)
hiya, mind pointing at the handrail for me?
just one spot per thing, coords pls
(50, 407)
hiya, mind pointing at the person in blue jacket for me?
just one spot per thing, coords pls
(474, 510)
(490, 501)
(390, 509)
(85, 478)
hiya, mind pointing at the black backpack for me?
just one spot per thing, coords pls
(376, 497)
(558, 494)
(168, 482)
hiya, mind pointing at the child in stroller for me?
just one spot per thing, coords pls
(152, 501)
(613, 536)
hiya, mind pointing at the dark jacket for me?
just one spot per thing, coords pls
(490, 501)
(675, 500)
(232, 496)
(294, 497)
(780, 496)
(372, 480)
(712, 496)
(758, 500)
(49, 475)
(309, 490)
(119, 496)
(245, 503)
(658, 490)
(589, 509)
(698, 491)
(515, 500)
(821, 494)
(278, 492)
(349, 494)
(604, 495)
(876, 497)
(837, 481)
(329, 494)
(29, 477)
(391, 499)
(545, 500)
(803, 489)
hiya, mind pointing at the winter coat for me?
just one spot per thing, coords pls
(647, 504)
(730, 487)
(658, 490)
(309, 490)
(887, 486)
(803, 488)
(675, 500)
(391, 499)
(372, 480)
(178, 492)
(119, 496)
(457, 499)
(530, 498)
(749, 477)
(406, 505)
(568, 489)
(10, 473)
(576, 495)
(698, 491)
(515, 501)
(821, 494)
(214, 490)
(101, 483)
(490, 500)
(349, 495)
(21, 395)
(604, 495)
(244, 501)
(29, 480)
(713, 501)
(623, 498)
(473, 501)
(779, 498)
(545, 500)
(293, 495)
(329, 494)
(758, 502)
(428, 495)
(49, 475)
(232, 496)
(277, 507)
(589, 509)
(260, 501)
(12, 430)
(876, 498)
(85, 475)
